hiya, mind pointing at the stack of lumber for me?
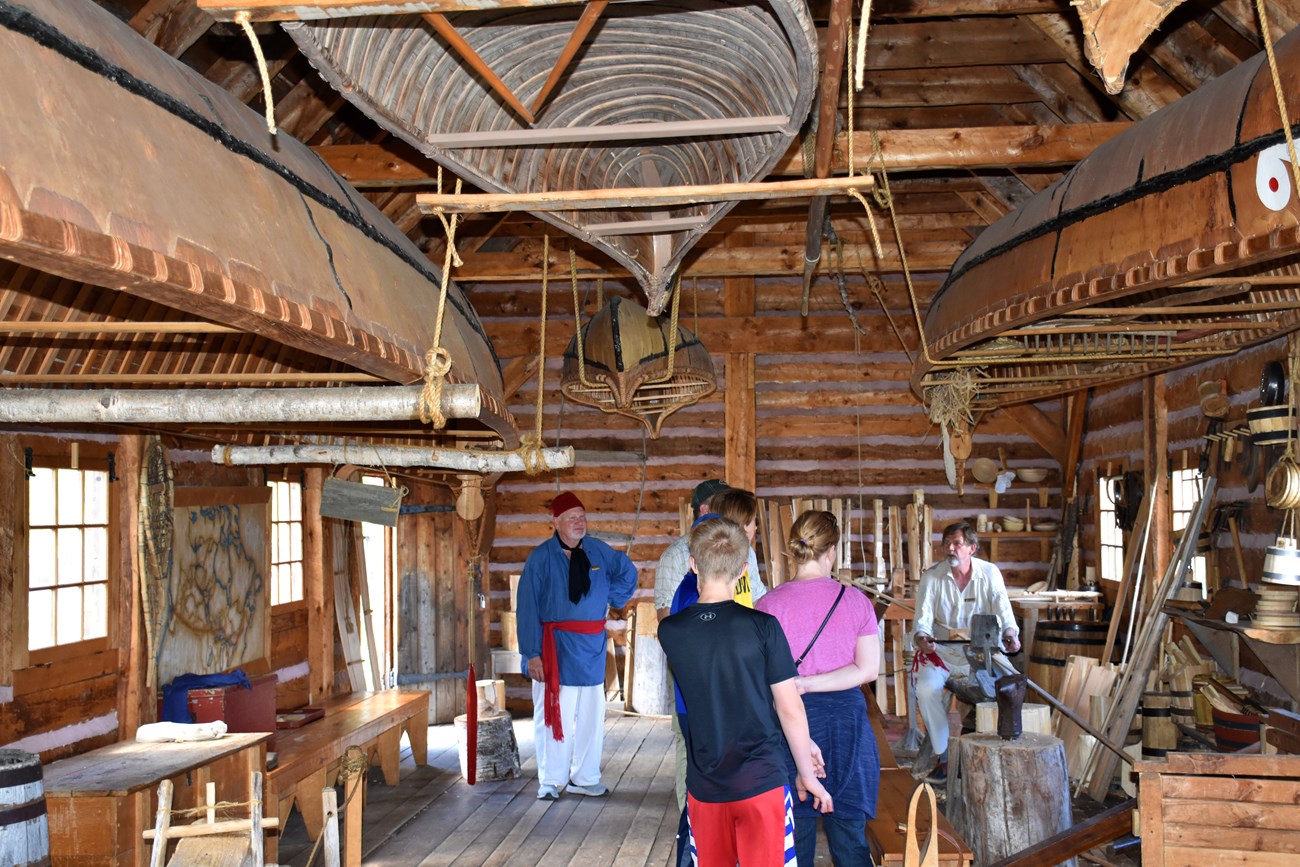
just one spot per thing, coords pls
(1086, 686)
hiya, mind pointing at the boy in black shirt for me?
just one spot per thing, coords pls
(736, 674)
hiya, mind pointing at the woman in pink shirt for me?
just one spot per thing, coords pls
(833, 630)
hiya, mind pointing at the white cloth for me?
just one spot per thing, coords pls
(675, 562)
(931, 701)
(941, 606)
(576, 759)
(166, 732)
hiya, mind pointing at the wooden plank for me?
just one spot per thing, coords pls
(130, 766)
(316, 10)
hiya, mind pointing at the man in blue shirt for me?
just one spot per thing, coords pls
(568, 584)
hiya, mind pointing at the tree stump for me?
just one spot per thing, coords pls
(498, 752)
(652, 686)
(1016, 793)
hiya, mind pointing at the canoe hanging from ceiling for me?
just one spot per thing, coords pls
(123, 168)
(715, 93)
(1174, 242)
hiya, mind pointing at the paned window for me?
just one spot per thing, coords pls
(1185, 487)
(1110, 555)
(67, 556)
(286, 542)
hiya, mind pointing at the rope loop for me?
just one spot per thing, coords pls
(437, 364)
(530, 450)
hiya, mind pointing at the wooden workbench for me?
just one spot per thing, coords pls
(101, 802)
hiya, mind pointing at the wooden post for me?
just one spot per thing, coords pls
(1155, 442)
(317, 590)
(135, 703)
(330, 842)
(878, 539)
(353, 800)
(741, 443)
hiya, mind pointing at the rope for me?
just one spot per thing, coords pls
(878, 288)
(244, 22)
(577, 320)
(672, 334)
(860, 63)
(1277, 90)
(437, 361)
(354, 761)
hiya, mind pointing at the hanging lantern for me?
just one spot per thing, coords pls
(622, 364)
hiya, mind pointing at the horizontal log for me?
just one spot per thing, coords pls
(637, 197)
(388, 456)
(233, 405)
(392, 164)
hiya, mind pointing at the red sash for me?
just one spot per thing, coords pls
(551, 668)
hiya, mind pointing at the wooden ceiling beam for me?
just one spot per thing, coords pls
(524, 266)
(172, 25)
(318, 10)
(394, 164)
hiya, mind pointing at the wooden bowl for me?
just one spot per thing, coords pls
(1013, 525)
(1032, 475)
(985, 470)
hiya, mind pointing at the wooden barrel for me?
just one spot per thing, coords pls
(1235, 731)
(1055, 642)
(1159, 735)
(24, 828)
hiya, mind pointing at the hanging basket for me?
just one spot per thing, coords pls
(625, 366)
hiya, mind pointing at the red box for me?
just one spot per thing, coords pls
(242, 710)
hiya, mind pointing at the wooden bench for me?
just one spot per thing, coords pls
(308, 758)
(887, 833)
(100, 803)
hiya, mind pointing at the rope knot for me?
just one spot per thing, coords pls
(530, 450)
(437, 364)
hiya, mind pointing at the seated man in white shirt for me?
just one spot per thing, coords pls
(950, 593)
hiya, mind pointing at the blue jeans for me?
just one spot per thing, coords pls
(847, 839)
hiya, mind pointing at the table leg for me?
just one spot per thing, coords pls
(390, 754)
(307, 794)
(417, 729)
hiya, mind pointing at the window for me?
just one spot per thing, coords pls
(67, 556)
(286, 542)
(1185, 487)
(1110, 555)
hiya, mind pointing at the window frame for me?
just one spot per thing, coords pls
(1199, 563)
(1106, 525)
(56, 456)
(272, 536)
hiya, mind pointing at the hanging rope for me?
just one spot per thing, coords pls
(437, 361)
(860, 63)
(577, 320)
(672, 333)
(530, 445)
(243, 20)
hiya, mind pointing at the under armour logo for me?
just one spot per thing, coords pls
(708, 615)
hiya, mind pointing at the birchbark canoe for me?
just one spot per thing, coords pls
(1174, 242)
(122, 168)
(691, 92)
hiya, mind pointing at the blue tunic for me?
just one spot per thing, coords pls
(543, 597)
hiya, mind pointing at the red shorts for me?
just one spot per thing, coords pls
(755, 832)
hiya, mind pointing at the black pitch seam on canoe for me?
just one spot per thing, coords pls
(1202, 168)
(25, 23)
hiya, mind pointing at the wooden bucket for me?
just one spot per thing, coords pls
(1235, 731)
(1055, 642)
(24, 827)
(1159, 734)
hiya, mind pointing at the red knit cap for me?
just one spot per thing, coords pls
(564, 502)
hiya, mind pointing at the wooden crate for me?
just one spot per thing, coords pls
(1214, 808)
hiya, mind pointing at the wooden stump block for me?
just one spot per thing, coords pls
(652, 687)
(1017, 793)
(498, 752)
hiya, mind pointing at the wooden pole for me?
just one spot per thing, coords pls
(217, 406)
(637, 197)
(318, 592)
(390, 456)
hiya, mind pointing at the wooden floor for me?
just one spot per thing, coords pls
(435, 818)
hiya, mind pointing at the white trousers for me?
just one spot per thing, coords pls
(576, 759)
(931, 701)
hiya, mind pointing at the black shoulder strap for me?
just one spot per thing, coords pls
(798, 662)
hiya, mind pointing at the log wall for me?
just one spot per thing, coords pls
(834, 416)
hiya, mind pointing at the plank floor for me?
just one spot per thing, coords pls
(433, 817)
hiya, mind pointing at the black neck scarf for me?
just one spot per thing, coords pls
(579, 570)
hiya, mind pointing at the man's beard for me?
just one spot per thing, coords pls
(954, 560)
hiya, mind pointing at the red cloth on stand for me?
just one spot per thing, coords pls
(551, 667)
